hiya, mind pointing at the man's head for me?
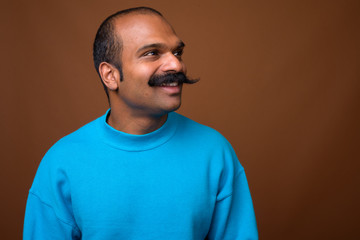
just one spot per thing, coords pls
(107, 45)
(138, 58)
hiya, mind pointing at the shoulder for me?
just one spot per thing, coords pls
(205, 141)
(204, 138)
(67, 149)
(57, 161)
(200, 132)
(85, 135)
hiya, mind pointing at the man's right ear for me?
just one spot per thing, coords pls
(109, 75)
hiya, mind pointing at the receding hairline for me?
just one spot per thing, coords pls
(114, 18)
(133, 12)
(129, 11)
(117, 18)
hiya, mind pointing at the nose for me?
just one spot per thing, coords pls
(172, 63)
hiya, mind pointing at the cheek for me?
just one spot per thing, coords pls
(144, 73)
(184, 67)
(146, 94)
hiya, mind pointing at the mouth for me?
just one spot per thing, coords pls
(173, 88)
(170, 80)
(172, 84)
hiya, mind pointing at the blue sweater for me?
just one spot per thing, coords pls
(182, 181)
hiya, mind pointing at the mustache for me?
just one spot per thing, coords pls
(180, 78)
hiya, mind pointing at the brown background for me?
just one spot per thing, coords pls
(280, 79)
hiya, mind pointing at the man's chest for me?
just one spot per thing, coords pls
(159, 195)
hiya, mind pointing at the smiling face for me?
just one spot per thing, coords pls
(150, 48)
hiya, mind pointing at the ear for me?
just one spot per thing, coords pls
(109, 75)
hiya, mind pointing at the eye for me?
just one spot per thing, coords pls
(178, 53)
(151, 53)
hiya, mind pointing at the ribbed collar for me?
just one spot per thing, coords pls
(131, 142)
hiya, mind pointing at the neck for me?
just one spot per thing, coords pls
(134, 124)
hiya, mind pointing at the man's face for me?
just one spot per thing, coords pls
(150, 48)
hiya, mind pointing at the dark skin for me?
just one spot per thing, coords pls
(150, 47)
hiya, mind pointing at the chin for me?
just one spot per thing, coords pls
(172, 108)
(176, 108)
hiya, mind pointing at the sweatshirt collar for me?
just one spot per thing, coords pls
(131, 142)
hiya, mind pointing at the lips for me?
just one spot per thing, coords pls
(172, 84)
(173, 88)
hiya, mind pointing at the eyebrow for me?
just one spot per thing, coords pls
(181, 44)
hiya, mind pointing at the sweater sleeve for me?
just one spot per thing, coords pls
(234, 217)
(41, 222)
(49, 212)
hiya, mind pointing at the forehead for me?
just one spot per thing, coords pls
(137, 30)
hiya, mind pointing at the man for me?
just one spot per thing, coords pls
(141, 171)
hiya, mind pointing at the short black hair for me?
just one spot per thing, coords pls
(108, 46)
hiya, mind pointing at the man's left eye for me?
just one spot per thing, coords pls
(178, 53)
